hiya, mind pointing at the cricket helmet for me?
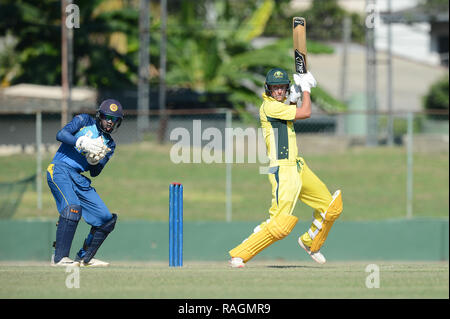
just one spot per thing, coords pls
(110, 110)
(276, 76)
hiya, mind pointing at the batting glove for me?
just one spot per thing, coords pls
(305, 81)
(295, 93)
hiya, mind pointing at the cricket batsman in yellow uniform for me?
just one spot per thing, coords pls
(290, 176)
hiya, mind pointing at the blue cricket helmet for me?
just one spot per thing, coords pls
(110, 108)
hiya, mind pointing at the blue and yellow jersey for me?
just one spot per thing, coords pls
(278, 130)
(82, 124)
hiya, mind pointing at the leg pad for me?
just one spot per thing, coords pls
(95, 239)
(277, 228)
(65, 231)
(332, 213)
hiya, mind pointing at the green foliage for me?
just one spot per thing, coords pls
(221, 59)
(324, 20)
(9, 64)
(210, 51)
(37, 27)
(437, 97)
(325, 101)
(434, 6)
(254, 25)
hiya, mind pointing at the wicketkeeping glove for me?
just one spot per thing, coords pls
(89, 145)
(305, 81)
(95, 158)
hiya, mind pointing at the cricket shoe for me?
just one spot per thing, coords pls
(316, 256)
(237, 262)
(94, 263)
(65, 262)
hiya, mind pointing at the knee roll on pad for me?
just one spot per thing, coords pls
(109, 225)
(72, 212)
(281, 225)
(278, 228)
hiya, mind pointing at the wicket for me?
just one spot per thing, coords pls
(176, 225)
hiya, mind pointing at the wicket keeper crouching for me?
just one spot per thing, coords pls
(290, 177)
(86, 145)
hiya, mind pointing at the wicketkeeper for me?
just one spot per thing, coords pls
(86, 146)
(290, 177)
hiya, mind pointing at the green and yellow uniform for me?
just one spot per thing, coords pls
(291, 179)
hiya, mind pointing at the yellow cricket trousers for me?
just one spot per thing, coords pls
(297, 181)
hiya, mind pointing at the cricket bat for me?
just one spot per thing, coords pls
(299, 37)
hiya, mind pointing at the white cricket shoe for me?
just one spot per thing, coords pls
(237, 262)
(64, 262)
(316, 256)
(94, 263)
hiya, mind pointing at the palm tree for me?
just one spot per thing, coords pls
(218, 56)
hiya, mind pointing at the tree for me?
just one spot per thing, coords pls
(437, 98)
(37, 27)
(218, 55)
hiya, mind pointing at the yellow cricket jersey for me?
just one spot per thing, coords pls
(278, 130)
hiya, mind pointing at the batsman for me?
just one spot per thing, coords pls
(86, 146)
(289, 175)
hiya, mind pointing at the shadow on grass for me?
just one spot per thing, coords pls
(291, 266)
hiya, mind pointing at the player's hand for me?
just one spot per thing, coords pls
(305, 81)
(89, 145)
(295, 93)
(95, 158)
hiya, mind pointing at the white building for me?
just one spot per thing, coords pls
(413, 35)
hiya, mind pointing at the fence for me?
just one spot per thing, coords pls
(319, 138)
(147, 240)
(11, 194)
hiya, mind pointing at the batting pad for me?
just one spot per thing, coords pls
(332, 213)
(277, 228)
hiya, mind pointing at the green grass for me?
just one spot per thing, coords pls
(136, 184)
(207, 280)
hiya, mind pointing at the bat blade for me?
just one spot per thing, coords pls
(299, 37)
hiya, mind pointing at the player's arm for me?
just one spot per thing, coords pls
(304, 111)
(67, 133)
(83, 143)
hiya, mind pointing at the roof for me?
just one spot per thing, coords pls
(32, 97)
(417, 14)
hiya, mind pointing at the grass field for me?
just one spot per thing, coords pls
(135, 184)
(212, 280)
(136, 181)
